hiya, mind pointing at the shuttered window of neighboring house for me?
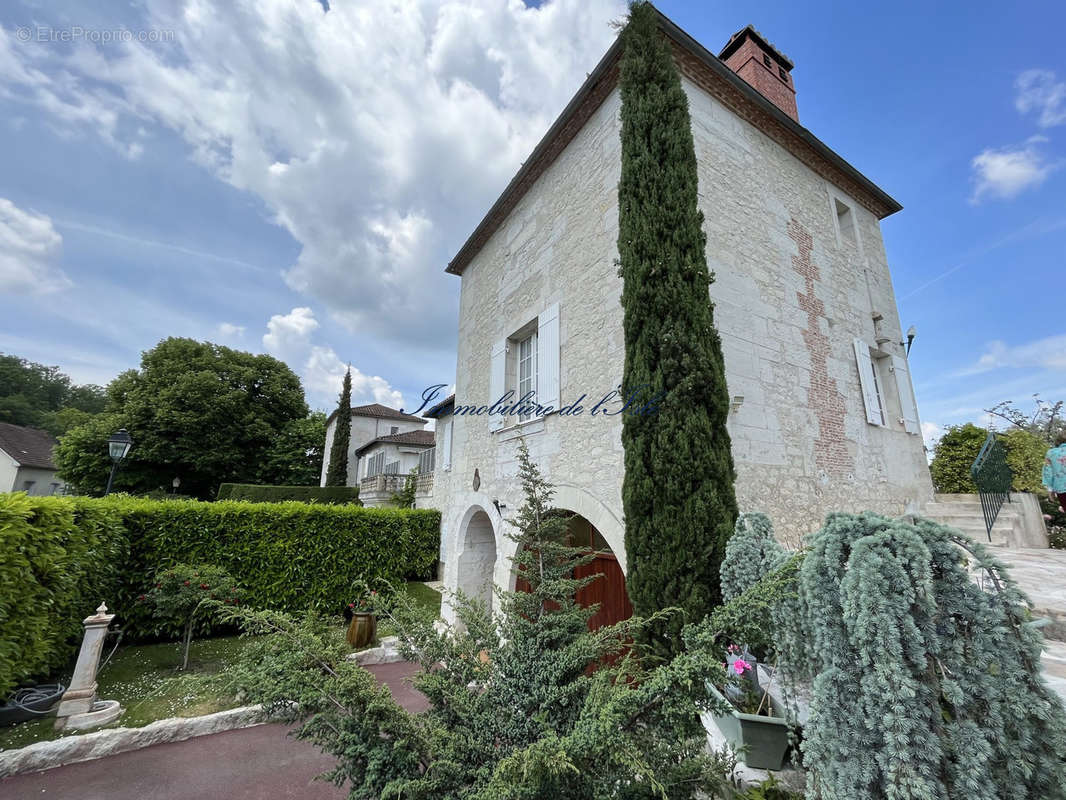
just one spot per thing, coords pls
(426, 461)
(871, 390)
(907, 404)
(375, 465)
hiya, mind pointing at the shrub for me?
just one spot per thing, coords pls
(59, 558)
(925, 684)
(180, 591)
(288, 556)
(1025, 457)
(257, 493)
(953, 456)
(751, 552)
(514, 711)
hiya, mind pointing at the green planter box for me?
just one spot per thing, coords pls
(762, 741)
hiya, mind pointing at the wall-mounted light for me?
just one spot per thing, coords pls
(911, 333)
(736, 403)
(499, 507)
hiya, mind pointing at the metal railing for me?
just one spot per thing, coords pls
(993, 478)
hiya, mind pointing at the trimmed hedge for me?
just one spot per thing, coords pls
(59, 557)
(261, 493)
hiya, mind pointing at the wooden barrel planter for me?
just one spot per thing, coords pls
(362, 630)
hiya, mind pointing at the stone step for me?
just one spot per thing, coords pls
(1053, 659)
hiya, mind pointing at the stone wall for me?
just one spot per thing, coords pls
(791, 293)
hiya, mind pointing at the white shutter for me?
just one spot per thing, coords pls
(907, 404)
(496, 381)
(548, 358)
(446, 445)
(869, 383)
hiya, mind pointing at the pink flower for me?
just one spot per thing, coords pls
(740, 666)
(733, 648)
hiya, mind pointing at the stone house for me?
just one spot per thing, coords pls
(388, 462)
(26, 461)
(823, 415)
(369, 423)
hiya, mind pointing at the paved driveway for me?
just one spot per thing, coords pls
(260, 763)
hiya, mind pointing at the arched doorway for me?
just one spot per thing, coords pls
(477, 558)
(609, 590)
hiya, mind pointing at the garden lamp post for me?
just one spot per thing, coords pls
(118, 446)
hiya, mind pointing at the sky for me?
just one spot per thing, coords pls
(282, 178)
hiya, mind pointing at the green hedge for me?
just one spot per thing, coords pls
(260, 493)
(59, 557)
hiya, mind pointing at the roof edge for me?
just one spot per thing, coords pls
(603, 72)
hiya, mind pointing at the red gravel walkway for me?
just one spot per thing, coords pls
(260, 763)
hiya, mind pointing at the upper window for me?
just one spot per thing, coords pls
(782, 74)
(845, 221)
(375, 465)
(766, 61)
(527, 371)
(27, 485)
(394, 429)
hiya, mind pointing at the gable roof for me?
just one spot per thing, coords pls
(703, 68)
(442, 406)
(30, 447)
(378, 410)
(418, 438)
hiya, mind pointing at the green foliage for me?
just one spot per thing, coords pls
(59, 557)
(677, 492)
(953, 456)
(337, 471)
(514, 710)
(769, 789)
(405, 498)
(197, 411)
(751, 553)
(178, 594)
(1025, 457)
(925, 683)
(256, 493)
(43, 397)
(294, 458)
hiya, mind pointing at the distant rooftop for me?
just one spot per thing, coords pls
(30, 447)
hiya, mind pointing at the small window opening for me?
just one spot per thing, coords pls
(845, 221)
(766, 61)
(784, 75)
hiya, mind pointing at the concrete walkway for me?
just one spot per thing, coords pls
(260, 763)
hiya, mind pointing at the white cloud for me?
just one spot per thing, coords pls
(29, 249)
(376, 136)
(1047, 353)
(1040, 91)
(230, 331)
(1008, 171)
(931, 433)
(289, 337)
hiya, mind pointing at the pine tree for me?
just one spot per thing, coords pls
(677, 493)
(514, 711)
(751, 553)
(337, 473)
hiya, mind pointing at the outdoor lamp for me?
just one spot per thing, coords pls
(118, 446)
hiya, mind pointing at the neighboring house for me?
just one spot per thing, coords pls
(823, 416)
(388, 462)
(26, 461)
(368, 423)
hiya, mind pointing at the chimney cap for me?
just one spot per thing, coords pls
(748, 31)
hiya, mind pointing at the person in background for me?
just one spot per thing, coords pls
(1054, 474)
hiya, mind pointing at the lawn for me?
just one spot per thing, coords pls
(145, 680)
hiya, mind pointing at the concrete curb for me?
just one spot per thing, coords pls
(110, 741)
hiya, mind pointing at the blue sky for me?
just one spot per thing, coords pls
(280, 179)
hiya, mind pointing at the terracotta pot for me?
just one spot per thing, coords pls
(362, 630)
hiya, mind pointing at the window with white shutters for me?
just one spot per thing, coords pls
(871, 390)
(527, 362)
(527, 372)
(375, 465)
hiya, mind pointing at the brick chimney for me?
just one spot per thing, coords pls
(762, 65)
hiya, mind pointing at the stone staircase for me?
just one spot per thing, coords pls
(963, 511)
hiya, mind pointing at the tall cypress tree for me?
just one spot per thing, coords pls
(677, 494)
(337, 473)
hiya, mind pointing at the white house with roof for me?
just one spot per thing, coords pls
(371, 423)
(26, 461)
(823, 415)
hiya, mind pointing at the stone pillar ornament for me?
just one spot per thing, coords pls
(79, 709)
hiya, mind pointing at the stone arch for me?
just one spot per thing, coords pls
(478, 555)
(608, 523)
